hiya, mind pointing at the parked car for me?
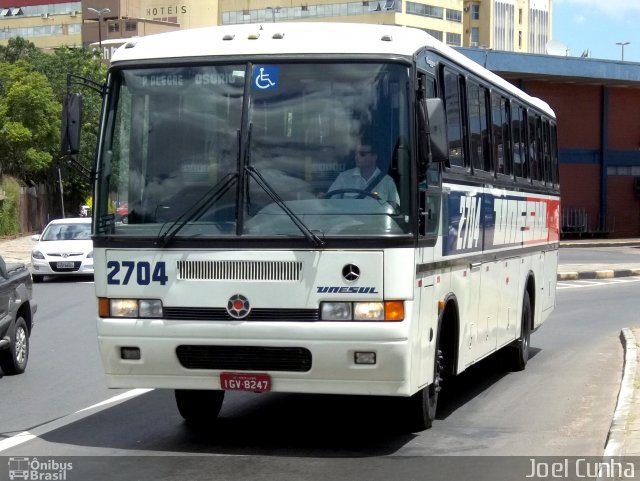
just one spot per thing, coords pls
(122, 212)
(16, 316)
(64, 248)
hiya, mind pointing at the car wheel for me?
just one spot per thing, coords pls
(14, 360)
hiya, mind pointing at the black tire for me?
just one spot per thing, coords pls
(14, 360)
(199, 407)
(517, 354)
(422, 406)
(36, 278)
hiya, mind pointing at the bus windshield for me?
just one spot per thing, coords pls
(273, 149)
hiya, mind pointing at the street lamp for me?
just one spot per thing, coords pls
(99, 13)
(622, 44)
(274, 10)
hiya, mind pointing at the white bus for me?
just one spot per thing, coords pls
(244, 264)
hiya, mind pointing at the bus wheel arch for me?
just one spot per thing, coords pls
(449, 332)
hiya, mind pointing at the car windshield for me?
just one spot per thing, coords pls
(71, 231)
(291, 149)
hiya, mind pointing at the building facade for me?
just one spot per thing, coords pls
(509, 25)
(512, 25)
(45, 23)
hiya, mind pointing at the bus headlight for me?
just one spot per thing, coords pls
(130, 308)
(335, 311)
(362, 311)
(368, 311)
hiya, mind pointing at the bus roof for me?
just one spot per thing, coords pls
(290, 38)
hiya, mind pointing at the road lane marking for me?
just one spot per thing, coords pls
(582, 283)
(26, 436)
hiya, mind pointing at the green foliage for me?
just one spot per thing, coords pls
(32, 86)
(9, 224)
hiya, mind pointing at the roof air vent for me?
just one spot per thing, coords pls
(386, 38)
(278, 36)
(228, 37)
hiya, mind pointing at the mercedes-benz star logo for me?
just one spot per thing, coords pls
(351, 272)
(238, 306)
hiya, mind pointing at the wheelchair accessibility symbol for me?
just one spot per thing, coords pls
(265, 77)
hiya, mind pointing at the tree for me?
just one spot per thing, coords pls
(32, 85)
(30, 119)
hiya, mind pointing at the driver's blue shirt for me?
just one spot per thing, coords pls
(385, 189)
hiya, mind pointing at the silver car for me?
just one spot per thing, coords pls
(64, 248)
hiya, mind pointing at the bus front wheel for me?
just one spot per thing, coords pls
(423, 404)
(199, 407)
(517, 354)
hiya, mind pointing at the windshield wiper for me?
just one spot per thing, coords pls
(210, 197)
(308, 233)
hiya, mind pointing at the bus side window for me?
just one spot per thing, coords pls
(532, 147)
(453, 106)
(430, 193)
(554, 155)
(548, 175)
(478, 127)
(501, 141)
(520, 166)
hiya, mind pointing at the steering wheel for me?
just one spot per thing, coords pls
(373, 195)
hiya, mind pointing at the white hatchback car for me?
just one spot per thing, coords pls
(64, 248)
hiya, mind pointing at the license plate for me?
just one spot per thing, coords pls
(65, 265)
(237, 381)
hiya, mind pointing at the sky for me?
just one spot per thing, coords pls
(597, 26)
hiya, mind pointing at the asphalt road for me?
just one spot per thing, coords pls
(560, 406)
(600, 255)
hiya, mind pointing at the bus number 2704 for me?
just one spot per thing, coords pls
(121, 273)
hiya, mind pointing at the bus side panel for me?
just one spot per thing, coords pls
(548, 299)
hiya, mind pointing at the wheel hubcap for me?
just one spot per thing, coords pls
(21, 345)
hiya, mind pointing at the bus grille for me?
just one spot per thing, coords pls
(245, 358)
(221, 314)
(240, 270)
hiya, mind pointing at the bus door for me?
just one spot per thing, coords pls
(463, 245)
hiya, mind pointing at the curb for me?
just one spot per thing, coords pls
(602, 274)
(614, 446)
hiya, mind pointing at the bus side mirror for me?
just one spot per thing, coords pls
(437, 130)
(71, 124)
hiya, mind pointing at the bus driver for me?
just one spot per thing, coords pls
(365, 177)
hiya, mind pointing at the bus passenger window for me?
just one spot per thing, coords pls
(478, 128)
(520, 166)
(454, 117)
(501, 143)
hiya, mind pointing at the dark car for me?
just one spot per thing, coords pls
(16, 316)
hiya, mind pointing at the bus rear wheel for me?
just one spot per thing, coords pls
(199, 407)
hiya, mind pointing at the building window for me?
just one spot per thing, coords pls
(475, 36)
(475, 12)
(130, 26)
(114, 27)
(425, 10)
(454, 39)
(454, 15)
(435, 33)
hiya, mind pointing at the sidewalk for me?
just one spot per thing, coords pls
(624, 435)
